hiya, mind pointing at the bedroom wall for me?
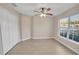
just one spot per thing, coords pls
(36, 27)
(42, 27)
(26, 27)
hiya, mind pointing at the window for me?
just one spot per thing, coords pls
(74, 27)
(63, 27)
(69, 27)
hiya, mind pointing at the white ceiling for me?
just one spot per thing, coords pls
(57, 8)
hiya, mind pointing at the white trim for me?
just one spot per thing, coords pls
(15, 45)
(69, 40)
(42, 37)
(25, 39)
(66, 45)
(12, 47)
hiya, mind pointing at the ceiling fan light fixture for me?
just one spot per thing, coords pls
(42, 15)
(44, 12)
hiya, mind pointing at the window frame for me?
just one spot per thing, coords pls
(68, 30)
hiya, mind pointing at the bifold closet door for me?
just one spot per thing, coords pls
(1, 46)
(4, 30)
(5, 37)
(9, 29)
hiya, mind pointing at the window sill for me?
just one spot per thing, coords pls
(69, 40)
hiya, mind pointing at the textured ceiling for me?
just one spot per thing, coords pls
(57, 8)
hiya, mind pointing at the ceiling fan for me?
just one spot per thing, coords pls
(43, 12)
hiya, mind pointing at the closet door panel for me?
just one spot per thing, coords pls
(5, 31)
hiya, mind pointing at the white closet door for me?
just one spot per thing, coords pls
(9, 29)
(0, 33)
(1, 46)
(5, 37)
(5, 30)
(13, 29)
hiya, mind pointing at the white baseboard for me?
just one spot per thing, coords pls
(42, 38)
(66, 45)
(11, 48)
(25, 39)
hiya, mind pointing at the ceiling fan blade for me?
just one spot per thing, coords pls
(45, 11)
(48, 9)
(37, 15)
(35, 11)
(49, 14)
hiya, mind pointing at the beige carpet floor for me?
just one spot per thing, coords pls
(40, 47)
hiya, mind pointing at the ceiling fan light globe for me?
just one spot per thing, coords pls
(42, 15)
